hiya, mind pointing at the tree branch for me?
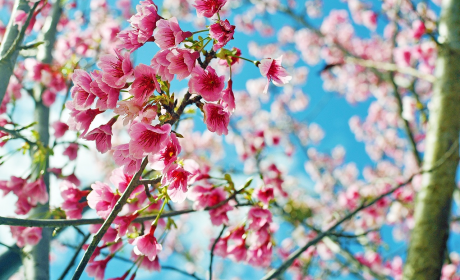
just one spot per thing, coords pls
(287, 263)
(391, 67)
(74, 257)
(212, 250)
(16, 135)
(9, 46)
(105, 226)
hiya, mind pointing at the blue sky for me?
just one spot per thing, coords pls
(332, 117)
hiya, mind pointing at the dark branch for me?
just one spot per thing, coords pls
(212, 251)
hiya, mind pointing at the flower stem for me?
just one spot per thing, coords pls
(252, 61)
(196, 32)
(161, 211)
(209, 40)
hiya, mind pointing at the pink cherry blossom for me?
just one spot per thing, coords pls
(107, 95)
(116, 69)
(148, 113)
(81, 120)
(103, 136)
(182, 62)
(23, 205)
(145, 82)
(149, 265)
(73, 210)
(102, 199)
(147, 139)
(167, 155)
(49, 97)
(160, 64)
(198, 172)
(60, 129)
(206, 83)
(70, 192)
(96, 269)
(208, 8)
(129, 109)
(147, 245)
(200, 196)
(219, 215)
(71, 151)
(216, 118)
(169, 33)
(15, 185)
(81, 91)
(259, 217)
(272, 69)
(130, 40)
(221, 247)
(237, 252)
(228, 97)
(122, 157)
(36, 192)
(145, 20)
(222, 32)
(123, 223)
(418, 29)
(26, 235)
(264, 194)
(121, 181)
(176, 178)
(260, 256)
(73, 179)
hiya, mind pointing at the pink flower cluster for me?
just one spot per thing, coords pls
(29, 194)
(252, 243)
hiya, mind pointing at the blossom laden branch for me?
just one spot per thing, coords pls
(391, 67)
(287, 263)
(105, 226)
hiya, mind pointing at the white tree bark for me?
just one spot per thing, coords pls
(427, 246)
(36, 266)
(12, 32)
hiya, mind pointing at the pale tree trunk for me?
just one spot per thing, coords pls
(36, 264)
(427, 246)
(12, 32)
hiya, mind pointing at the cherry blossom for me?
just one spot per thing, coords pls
(208, 8)
(216, 118)
(169, 33)
(272, 69)
(147, 139)
(206, 83)
(222, 32)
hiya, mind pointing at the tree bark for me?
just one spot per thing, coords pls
(434, 201)
(12, 32)
(36, 266)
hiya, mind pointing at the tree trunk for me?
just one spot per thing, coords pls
(36, 266)
(432, 208)
(12, 32)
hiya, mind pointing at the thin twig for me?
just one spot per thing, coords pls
(74, 257)
(212, 251)
(167, 267)
(16, 135)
